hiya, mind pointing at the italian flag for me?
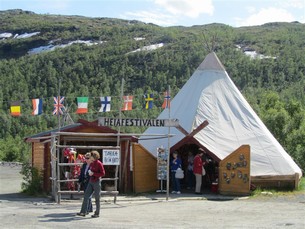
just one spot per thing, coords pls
(82, 105)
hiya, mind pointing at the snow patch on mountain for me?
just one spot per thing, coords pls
(52, 47)
(255, 55)
(6, 35)
(252, 53)
(139, 38)
(148, 48)
(26, 35)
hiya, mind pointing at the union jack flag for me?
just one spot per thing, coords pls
(58, 105)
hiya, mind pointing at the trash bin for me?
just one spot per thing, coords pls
(214, 187)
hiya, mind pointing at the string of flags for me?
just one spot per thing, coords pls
(82, 104)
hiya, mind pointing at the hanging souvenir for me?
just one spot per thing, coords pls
(224, 175)
(239, 174)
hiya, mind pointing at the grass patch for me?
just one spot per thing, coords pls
(301, 187)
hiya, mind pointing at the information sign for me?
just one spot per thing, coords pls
(111, 157)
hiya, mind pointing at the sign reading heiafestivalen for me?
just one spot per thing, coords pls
(111, 157)
(138, 122)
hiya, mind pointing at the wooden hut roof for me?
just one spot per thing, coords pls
(80, 126)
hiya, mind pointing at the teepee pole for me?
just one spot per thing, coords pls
(117, 167)
(58, 115)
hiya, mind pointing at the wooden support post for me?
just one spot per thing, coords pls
(124, 169)
(182, 130)
(116, 181)
(296, 181)
(199, 128)
(58, 172)
(53, 167)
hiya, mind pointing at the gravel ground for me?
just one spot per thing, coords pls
(153, 211)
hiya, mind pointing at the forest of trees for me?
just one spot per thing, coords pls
(275, 86)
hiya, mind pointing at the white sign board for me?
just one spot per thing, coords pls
(103, 121)
(111, 157)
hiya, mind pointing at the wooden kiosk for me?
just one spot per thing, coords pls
(47, 155)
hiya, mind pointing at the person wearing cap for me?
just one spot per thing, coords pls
(83, 179)
(197, 169)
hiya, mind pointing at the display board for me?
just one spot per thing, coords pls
(162, 155)
(234, 172)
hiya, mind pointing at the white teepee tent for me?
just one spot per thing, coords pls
(211, 95)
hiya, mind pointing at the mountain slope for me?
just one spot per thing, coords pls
(90, 57)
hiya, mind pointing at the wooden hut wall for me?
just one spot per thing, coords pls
(47, 168)
(144, 170)
(284, 181)
(126, 178)
(38, 156)
(234, 172)
(41, 161)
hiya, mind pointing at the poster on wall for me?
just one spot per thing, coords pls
(111, 157)
(162, 154)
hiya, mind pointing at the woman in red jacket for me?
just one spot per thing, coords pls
(96, 171)
(197, 169)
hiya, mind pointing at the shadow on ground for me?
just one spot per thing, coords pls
(61, 217)
(16, 197)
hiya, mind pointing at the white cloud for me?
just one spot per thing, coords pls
(170, 12)
(188, 8)
(251, 9)
(299, 4)
(266, 15)
(151, 17)
(53, 4)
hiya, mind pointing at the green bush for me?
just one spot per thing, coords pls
(11, 155)
(32, 184)
(14, 149)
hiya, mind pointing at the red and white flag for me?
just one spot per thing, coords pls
(127, 106)
(167, 100)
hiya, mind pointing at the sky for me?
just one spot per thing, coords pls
(165, 13)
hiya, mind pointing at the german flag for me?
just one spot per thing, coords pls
(16, 108)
